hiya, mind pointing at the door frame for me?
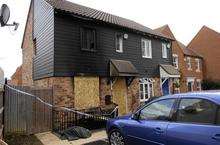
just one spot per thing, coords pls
(162, 82)
(113, 83)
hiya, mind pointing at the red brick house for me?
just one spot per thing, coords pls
(207, 43)
(187, 61)
(16, 78)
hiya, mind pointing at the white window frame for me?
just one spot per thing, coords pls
(191, 80)
(120, 50)
(188, 63)
(198, 64)
(176, 61)
(150, 93)
(199, 88)
(145, 49)
(164, 50)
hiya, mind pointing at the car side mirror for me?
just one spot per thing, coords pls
(135, 116)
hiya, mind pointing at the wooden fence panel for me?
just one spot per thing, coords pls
(25, 113)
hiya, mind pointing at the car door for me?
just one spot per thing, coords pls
(195, 123)
(150, 127)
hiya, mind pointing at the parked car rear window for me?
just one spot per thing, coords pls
(196, 111)
(159, 110)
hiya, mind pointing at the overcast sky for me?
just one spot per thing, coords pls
(185, 17)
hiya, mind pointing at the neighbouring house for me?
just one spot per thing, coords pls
(87, 55)
(1, 76)
(188, 62)
(207, 43)
(16, 78)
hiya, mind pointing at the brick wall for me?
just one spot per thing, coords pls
(28, 52)
(91, 91)
(133, 96)
(16, 78)
(190, 73)
(207, 43)
(63, 94)
(65, 91)
(105, 89)
(157, 87)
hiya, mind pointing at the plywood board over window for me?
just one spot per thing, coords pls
(86, 92)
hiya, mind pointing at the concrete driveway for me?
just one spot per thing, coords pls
(98, 137)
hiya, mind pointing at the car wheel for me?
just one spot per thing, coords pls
(116, 138)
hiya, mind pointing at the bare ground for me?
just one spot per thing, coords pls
(98, 137)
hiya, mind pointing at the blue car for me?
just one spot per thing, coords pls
(181, 119)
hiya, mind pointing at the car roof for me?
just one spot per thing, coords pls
(213, 96)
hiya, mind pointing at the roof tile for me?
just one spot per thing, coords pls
(102, 16)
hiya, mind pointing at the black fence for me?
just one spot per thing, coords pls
(93, 118)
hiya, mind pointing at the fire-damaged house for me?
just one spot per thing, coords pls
(87, 55)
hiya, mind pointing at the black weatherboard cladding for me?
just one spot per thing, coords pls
(59, 51)
(70, 60)
(44, 35)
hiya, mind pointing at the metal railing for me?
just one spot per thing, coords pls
(97, 118)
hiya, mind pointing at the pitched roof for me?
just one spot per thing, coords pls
(171, 70)
(166, 31)
(208, 32)
(94, 14)
(187, 51)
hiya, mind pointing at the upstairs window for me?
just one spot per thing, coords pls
(175, 61)
(146, 48)
(88, 39)
(119, 43)
(164, 50)
(198, 65)
(188, 63)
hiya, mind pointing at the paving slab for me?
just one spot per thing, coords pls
(98, 137)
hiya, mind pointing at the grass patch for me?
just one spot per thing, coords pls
(20, 139)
